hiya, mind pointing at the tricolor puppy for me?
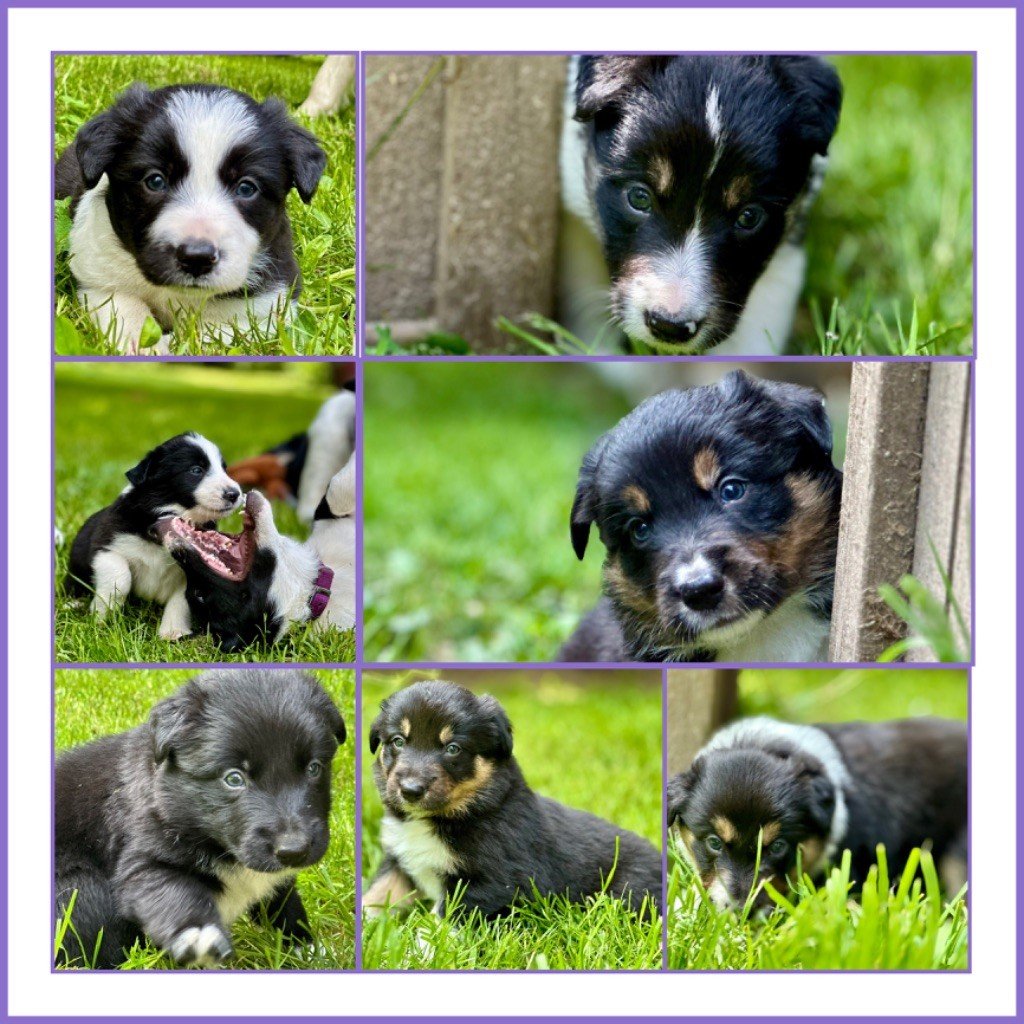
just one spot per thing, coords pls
(205, 812)
(695, 175)
(178, 205)
(116, 552)
(250, 587)
(719, 510)
(817, 790)
(457, 811)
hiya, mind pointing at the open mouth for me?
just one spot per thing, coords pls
(227, 555)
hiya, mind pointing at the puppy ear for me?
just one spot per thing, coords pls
(327, 708)
(602, 82)
(137, 474)
(820, 794)
(376, 728)
(816, 87)
(806, 407)
(97, 140)
(173, 719)
(499, 728)
(584, 506)
(679, 789)
(306, 158)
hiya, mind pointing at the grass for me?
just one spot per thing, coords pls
(827, 924)
(609, 723)
(108, 415)
(891, 235)
(90, 703)
(324, 231)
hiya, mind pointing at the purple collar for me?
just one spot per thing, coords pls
(321, 595)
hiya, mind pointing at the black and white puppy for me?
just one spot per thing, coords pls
(719, 510)
(178, 205)
(250, 587)
(457, 811)
(116, 553)
(175, 829)
(695, 175)
(819, 790)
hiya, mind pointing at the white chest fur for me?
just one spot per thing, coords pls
(155, 575)
(793, 632)
(422, 855)
(244, 888)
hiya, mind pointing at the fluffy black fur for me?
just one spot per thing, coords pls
(901, 783)
(740, 194)
(445, 772)
(152, 838)
(716, 504)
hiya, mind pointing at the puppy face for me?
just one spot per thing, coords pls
(697, 165)
(197, 179)
(186, 477)
(440, 747)
(743, 815)
(230, 578)
(715, 504)
(244, 762)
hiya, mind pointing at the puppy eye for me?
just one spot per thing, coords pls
(714, 844)
(750, 218)
(453, 750)
(639, 531)
(155, 183)
(398, 742)
(732, 490)
(639, 198)
(778, 848)
(197, 471)
(313, 769)
(246, 189)
(234, 779)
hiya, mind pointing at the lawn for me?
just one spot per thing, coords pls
(562, 722)
(108, 415)
(905, 923)
(92, 703)
(324, 231)
(890, 240)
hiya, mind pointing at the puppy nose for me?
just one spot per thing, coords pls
(196, 256)
(231, 494)
(672, 328)
(291, 849)
(700, 589)
(412, 790)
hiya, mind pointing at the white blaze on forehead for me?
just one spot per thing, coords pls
(209, 494)
(713, 113)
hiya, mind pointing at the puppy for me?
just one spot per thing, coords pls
(252, 586)
(819, 790)
(457, 810)
(178, 205)
(694, 174)
(175, 829)
(719, 510)
(300, 469)
(116, 553)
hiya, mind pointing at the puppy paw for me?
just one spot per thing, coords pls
(205, 946)
(173, 632)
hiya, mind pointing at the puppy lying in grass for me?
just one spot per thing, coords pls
(765, 801)
(173, 830)
(459, 817)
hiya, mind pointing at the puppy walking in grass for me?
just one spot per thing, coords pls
(173, 830)
(460, 818)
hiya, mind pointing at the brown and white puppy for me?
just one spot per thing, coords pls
(761, 792)
(719, 510)
(458, 815)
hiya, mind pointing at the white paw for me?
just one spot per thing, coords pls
(205, 947)
(173, 632)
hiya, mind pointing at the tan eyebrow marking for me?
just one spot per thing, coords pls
(737, 191)
(770, 832)
(705, 468)
(446, 735)
(637, 497)
(660, 168)
(406, 727)
(725, 829)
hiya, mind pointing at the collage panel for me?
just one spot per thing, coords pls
(205, 204)
(205, 512)
(512, 820)
(204, 820)
(671, 204)
(617, 512)
(818, 819)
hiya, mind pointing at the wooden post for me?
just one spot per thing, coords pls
(878, 522)
(699, 702)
